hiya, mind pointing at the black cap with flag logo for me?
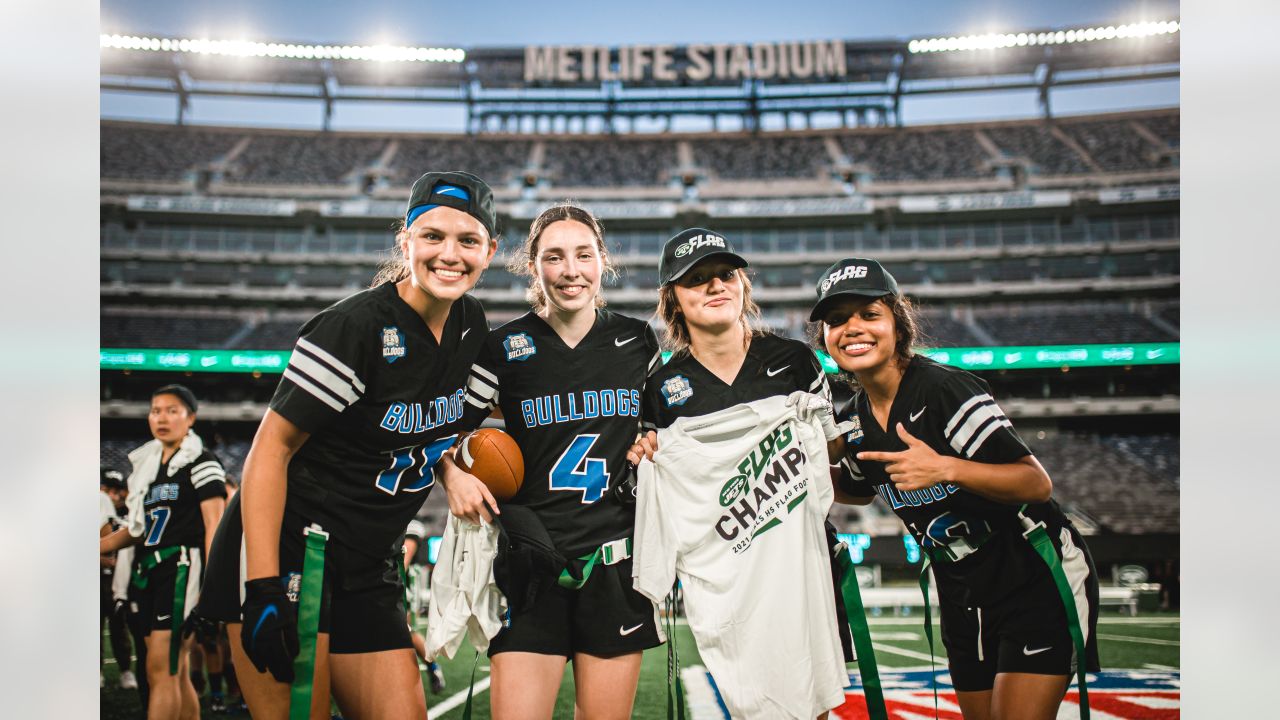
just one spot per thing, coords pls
(690, 247)
(456, 189)
(852, 276)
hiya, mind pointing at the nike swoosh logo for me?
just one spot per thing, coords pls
(162, 618)
(772, 372)
(271, 610)
(620, 342)
(1028, 651)
(627, 631)
(914, 416)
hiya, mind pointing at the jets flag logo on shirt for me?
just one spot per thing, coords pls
(392, 343)
(519, 347)
(677, 390)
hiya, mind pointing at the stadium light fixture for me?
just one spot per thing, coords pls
(995, 41)
(249, 48)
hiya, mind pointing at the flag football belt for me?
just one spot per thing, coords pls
(873, 691)
(141, 579)
(1036, 534)
(610, 553)
(309, 598)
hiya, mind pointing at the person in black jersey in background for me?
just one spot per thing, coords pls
(371, 398)
(933, 444)
(176, 498)
(568, 377)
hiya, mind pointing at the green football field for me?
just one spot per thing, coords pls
(1148, 642)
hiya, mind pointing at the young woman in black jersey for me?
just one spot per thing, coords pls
(567, 377)
(720, 359)
(932, 443)
(371, 398)
(176, 498)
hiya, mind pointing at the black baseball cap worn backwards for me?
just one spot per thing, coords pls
(182, 392)
(690, 247)
(852, 276)
(456, 189)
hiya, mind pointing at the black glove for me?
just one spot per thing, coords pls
(624, 485)
(205, 630)
(270, 630)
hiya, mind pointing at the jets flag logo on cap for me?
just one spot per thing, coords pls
(846, 273)
(698, 241)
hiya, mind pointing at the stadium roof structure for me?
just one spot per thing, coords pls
(503, 86)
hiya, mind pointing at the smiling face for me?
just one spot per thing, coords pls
(710, 296)
(170, 419)
(860, 334)
(568, 266)
(446, 250)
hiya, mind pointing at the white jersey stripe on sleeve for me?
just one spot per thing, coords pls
(655, 362)
(473, 400)
(197, 484)
(205, 466)
(974, 423)
(482, 389)
(302, 382)
(324, 376)
(955, 419)
(216, 471)
(485, 375)
(982, 436)
(322, 354)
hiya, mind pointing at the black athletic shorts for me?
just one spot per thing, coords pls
(1023, 632)
(155, 601)
(362, 600)
(606, 618)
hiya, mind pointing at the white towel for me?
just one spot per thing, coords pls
(465, 600)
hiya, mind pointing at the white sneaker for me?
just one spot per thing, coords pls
(128, 681)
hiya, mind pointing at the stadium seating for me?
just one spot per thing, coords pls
(497, 161)
(1063, 325)
(304, 159)
(918, 154)
(159, 152)
(1166, 126)
(1115, 146)
(761, 158)
(609, 163)
(1037, 143)
(168, 331)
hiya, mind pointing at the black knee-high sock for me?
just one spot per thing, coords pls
(215, 684)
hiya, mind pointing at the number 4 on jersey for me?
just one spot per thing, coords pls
(575, 471)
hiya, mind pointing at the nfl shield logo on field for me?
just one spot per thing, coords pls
(677, 390)
(519, 347)
(392, 344)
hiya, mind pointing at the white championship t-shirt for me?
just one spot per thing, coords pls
(734, 503)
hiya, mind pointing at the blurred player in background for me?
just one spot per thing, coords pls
(568, 377)
(931, 441)
(111, 495)
(372, 396)
(175, 499)
(720, 359)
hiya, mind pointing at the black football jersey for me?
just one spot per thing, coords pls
(172, 503)
(382, 400)
(976, 543)
(574, 412)
(773, 366)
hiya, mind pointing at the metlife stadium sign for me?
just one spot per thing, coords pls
(699, 63)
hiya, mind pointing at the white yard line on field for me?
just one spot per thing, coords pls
(458, 698)
(940, 658)
(1147, 641)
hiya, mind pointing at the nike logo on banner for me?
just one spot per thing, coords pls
(915, 415)
(627, 631)
(620, 342)
(772, 372)
(1028, 651)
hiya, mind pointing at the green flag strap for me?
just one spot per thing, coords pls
(1043, 545)
(928, 628)
(610, 553)
(179, 606)
(675, 684)
(309, 598)
(872, 690)
(148, 562)
(471, 688)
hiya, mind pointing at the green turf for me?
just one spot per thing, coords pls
(1120, 645)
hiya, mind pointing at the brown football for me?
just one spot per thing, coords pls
(494, 457)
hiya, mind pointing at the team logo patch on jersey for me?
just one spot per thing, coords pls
(519, 347)
(392, 343)
(292, 586)
(855, 430)
(677, 390)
